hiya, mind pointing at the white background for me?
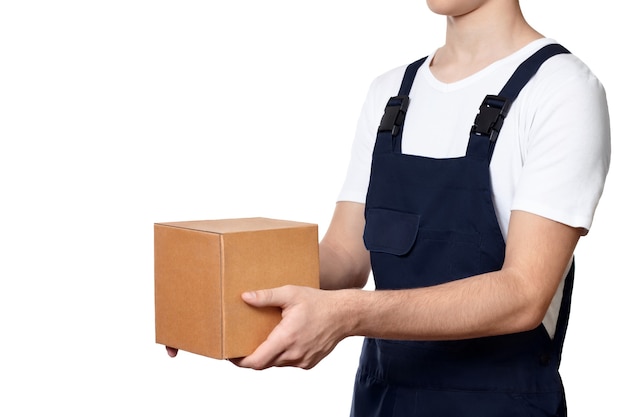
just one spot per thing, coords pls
(118, 114)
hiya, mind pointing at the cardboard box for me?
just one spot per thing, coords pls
(201, 269)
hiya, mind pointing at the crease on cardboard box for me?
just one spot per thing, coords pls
(223, 316)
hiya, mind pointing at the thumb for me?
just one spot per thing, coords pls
(263, 298)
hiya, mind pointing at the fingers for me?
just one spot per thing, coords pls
(265, 356)
(171, 351)
(274, 297)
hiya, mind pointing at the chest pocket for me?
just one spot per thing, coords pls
(405, 254)
(390, 231)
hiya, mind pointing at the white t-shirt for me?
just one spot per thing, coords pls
(552, 154)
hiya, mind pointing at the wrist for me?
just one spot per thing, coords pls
(348, 306)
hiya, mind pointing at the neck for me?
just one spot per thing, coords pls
(477, 39)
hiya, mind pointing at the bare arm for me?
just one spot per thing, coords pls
(512, 299)
(344, 261)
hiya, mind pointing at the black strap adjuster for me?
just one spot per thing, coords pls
(395, 113)
(491, 115)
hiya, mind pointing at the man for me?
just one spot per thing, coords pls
(469, 222)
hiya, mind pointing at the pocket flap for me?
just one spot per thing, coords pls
(390, 231)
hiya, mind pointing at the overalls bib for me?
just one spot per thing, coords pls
(431, 221)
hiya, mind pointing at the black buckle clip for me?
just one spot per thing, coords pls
(491, 115)
(395, 113)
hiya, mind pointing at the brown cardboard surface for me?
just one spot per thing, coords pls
(202, 267)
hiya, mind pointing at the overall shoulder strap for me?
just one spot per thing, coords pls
(493, 110)
(390, 129)
(528, 69)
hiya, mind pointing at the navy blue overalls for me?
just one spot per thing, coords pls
(430, 221)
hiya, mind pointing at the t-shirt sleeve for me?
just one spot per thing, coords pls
(567, 153)
(357, 177)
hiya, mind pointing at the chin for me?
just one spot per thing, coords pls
(454, 7)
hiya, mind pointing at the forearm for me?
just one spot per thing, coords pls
(483, 305)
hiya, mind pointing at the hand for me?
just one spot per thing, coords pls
(309, 329)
